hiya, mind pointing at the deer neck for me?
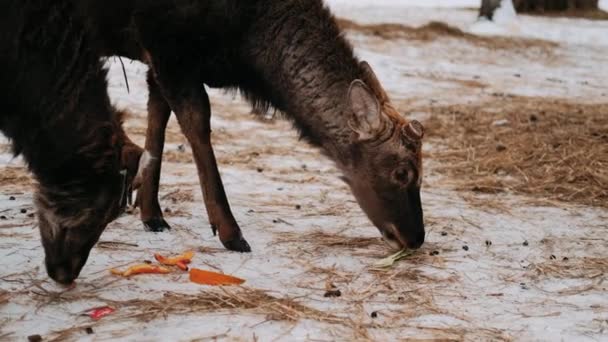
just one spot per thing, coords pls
(311, 67)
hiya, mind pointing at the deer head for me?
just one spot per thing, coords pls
(73, 215)
(385, 168)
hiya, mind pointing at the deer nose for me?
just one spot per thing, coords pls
(61, 275)
(417, 241)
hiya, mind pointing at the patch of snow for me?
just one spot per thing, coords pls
(505, 13)
(484, 26)
(560, 30)
(403, 3)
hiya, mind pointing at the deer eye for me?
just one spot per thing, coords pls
(402, 176)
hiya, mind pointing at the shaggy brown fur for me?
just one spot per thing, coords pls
(57, 114)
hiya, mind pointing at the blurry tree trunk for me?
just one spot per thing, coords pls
(554, 5)
(488, 7)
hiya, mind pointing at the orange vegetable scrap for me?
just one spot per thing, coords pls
(141, 269)
(213, 278)
(181, 261)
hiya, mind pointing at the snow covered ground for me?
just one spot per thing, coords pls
(542, 277)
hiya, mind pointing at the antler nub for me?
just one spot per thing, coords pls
(414, 130)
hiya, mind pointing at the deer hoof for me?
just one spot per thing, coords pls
(237, 245)
(156, 225)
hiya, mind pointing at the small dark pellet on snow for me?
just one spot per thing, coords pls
(89, 330)
(298, 207)
(34, 338)
(552, 257)
(526, 243)
(444, 233)
(2, 217)
(332, 293)
(434, 253)
(488, 243)
(374, 314)
(565, 259)
(12, 198)
(260, 170)
(465, 247)
(23, 211)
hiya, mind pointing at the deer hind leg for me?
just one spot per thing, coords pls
(194, 116)
(147, 195)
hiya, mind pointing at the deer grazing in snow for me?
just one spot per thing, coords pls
(286, 54)
(57, 114)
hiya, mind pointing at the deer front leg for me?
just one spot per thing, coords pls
(147, 195)
(194, 116)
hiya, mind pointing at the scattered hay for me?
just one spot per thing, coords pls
(4, 297)
(331, 274)
(547, 148)
(242, 299)
(576, 268)
(178, 157)
(116, 245)
(178, 195)
(15, 176)
(436, 30)
(320, 240)
(258, 301)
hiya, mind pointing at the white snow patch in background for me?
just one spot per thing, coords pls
(504, 22)
(505, 13)
(559, 30)
(404, 3)
(603, 5)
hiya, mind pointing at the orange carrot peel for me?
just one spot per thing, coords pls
(212, 278)
(141, 269)
(181, 261)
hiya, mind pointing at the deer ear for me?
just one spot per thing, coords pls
(367, 115)
(373, 82)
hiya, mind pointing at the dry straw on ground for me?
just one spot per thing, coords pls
(242, 299)
(437, 30)
(587, 268)
(4, 297)
(322, 240)
(14, 176)
(551, 149)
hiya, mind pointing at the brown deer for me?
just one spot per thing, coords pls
(57, 113)
(288, 54)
